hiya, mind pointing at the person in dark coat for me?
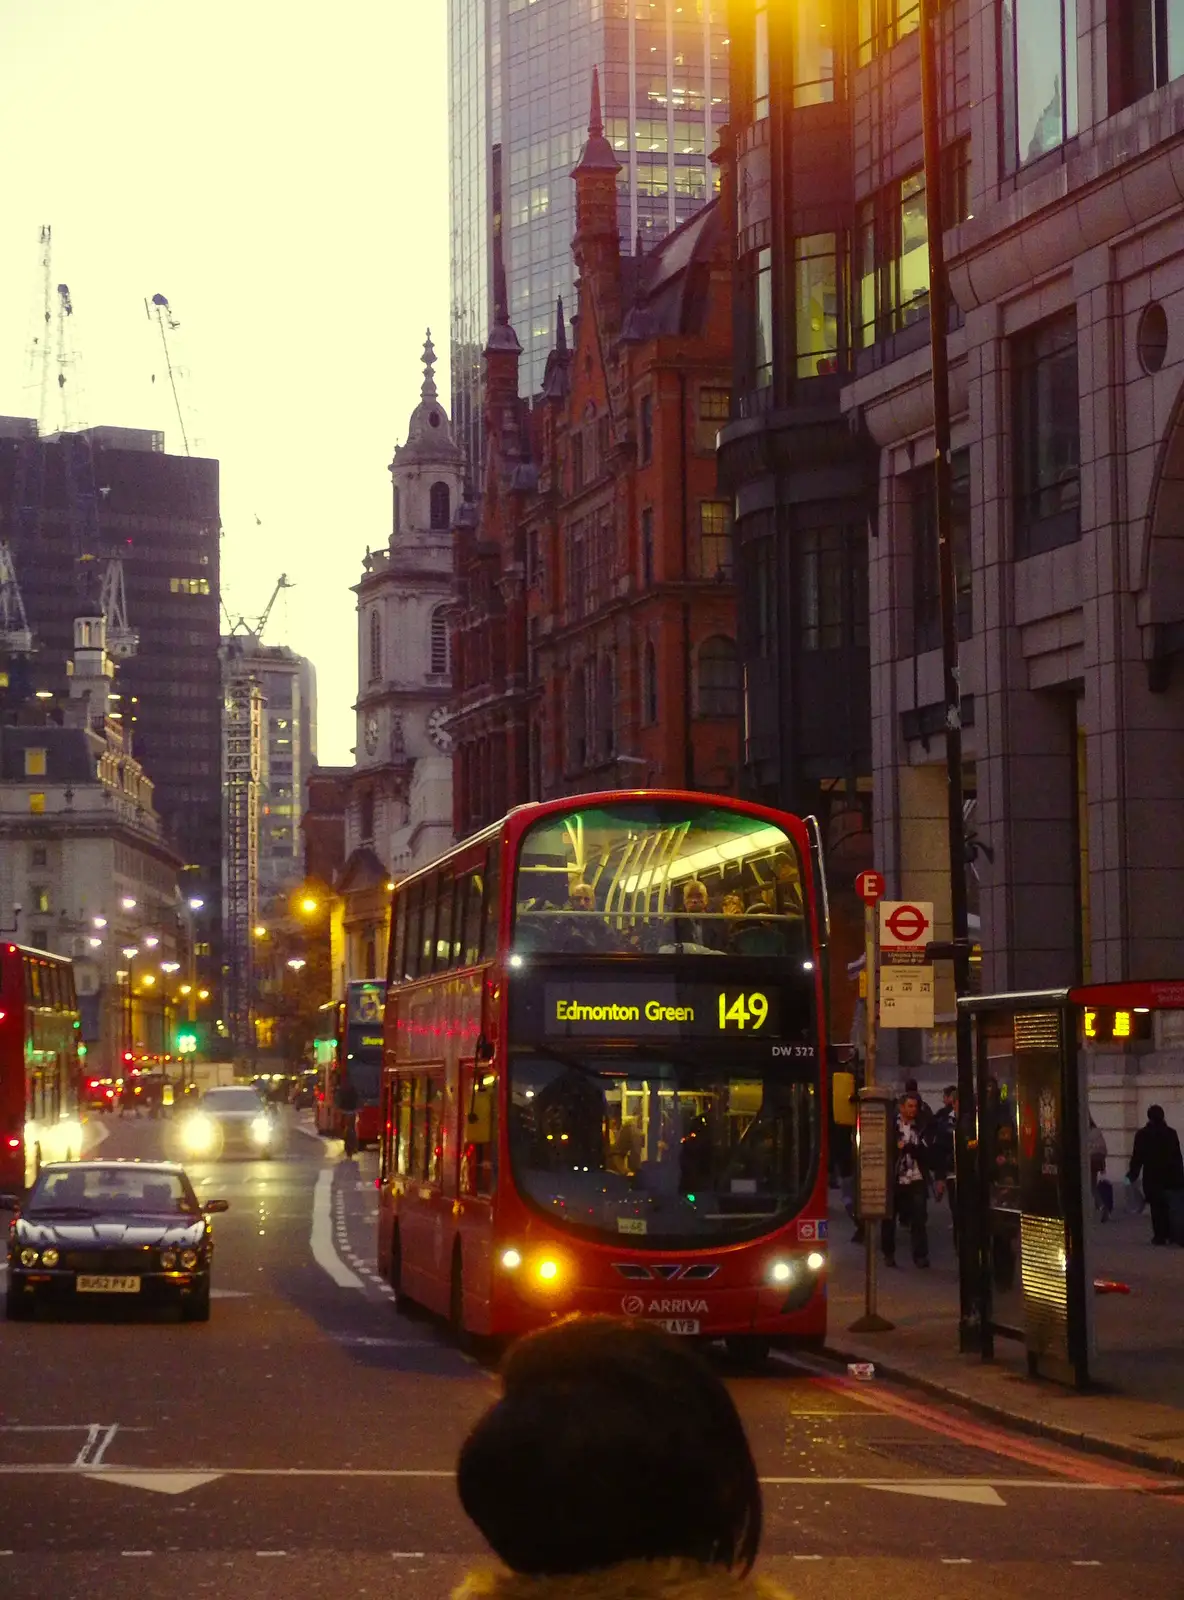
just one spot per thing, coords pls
(1156, 1155)
(648, 1490)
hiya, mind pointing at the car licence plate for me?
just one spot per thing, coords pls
(679, 1324)
(99, 1283)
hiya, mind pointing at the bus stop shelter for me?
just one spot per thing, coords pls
(1023, 1166)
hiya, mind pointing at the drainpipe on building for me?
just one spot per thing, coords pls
(959, 949)
(688, 753)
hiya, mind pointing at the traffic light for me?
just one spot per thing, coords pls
(186, 1043)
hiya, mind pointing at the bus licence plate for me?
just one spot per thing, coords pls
(679, 1324)
(97, 1283)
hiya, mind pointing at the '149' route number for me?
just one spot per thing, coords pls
(746, 1010)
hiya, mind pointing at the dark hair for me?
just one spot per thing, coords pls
(612, 1442)
(910, 1086)
(1155, 1114)
(950, 1088)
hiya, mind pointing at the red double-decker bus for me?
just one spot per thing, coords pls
(39, 1071)
(604, 1072)
(351, 1049)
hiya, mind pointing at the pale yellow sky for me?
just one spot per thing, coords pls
(279, 171)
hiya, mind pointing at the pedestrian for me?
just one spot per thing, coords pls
(910, 1197)
(1156, 1155)
(647, 1491)
(924, 1109)
(347, 1108)
(938, 1137)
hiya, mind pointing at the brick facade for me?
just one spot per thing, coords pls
(594, 636)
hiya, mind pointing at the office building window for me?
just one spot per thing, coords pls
(1038, 50)
(375, 647)
(36, 804)
(645, 428)
(718, 678)
(647, 547)
(715, 539)
(926, 586)
(816, 302)
(38, 856)
(832, 588)
(813, 26)
(189, 586)
(1046, 436)
(893, 259)
(762, 319)
(760, 60)
(439, 505)
(39, 895)
(1148, 38)
(35, 762)
(649, 684)
(882, 23)
(714, 405)
(439, 642)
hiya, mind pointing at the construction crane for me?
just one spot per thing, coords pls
(167, 323)
(122, 640)
(243, 627)
(41, 353)
(16, 637)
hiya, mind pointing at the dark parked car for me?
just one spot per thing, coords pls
(108, 1229)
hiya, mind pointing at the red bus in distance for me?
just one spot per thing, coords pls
(351, 1047)
(604, 1072)
(39, 1070)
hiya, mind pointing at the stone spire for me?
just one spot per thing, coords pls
(428, 391)
(597, 154)
(560, 327)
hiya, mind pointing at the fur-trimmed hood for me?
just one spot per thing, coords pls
(632, 1580)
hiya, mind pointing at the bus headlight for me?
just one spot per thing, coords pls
(199, 1135)
(511, 1260)
(261, 1130)
(50, 1257)
(816, 1261)
(781, 1272)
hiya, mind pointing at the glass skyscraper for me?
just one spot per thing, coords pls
(520, 78)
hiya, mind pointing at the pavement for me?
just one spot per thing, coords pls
(1135, 1411)
(302, 1443)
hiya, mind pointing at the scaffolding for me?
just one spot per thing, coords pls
(242, 761)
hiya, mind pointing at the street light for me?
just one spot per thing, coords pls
(94, 941)
(186, 988)
(130, 951)
(148, 979)
(296, 963)
(309, 906)
(128, 903)
(260, 932)
(151, 941)
(195, 902)
(170, 966)
(98, 922)
(203, 994)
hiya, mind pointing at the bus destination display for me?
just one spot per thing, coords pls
(660, 1010)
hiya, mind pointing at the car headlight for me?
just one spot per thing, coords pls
(261, 1130)
(168, 1259)
(189, 1259)
(50, 1257)
(28, 1257)
(199, 1134)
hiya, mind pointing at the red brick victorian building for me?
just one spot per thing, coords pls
(594, 634)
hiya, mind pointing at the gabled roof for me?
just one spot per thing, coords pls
(669, 288)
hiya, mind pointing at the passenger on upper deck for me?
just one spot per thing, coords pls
(584, 929)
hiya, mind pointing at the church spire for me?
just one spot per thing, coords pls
(428, 391)
(560, 327)
(595, 121)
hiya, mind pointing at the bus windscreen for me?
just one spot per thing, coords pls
(660, 878)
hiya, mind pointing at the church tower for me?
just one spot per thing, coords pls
(400, 809)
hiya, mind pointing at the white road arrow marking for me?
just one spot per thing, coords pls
(321, 1238)
(230, 1294)
(161, 1482)
(971, 1494)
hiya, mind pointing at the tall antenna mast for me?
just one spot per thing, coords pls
(41, 353)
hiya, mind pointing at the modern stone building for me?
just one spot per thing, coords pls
(85, 867)
(1063, 141)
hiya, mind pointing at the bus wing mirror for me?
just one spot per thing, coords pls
(9, 1202)
(843, 1102)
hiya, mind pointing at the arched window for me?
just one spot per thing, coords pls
(375, 646)
(440, 505)
(439, 642)
(719, 678)
(649, 684)
(577, 722)
(606, 709)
